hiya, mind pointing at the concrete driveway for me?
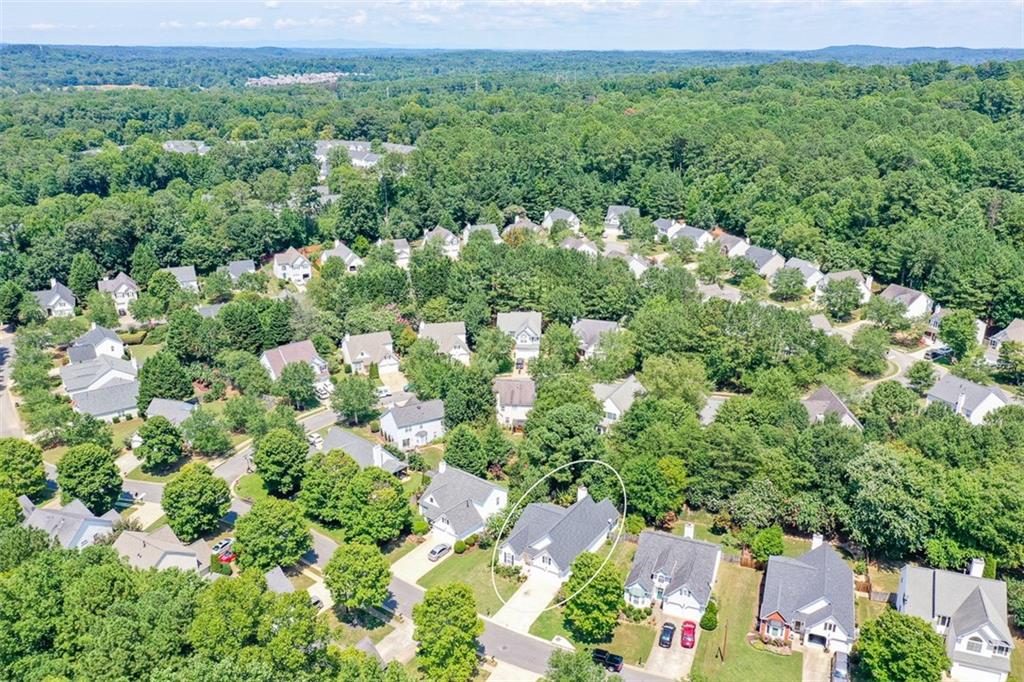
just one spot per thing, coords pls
(528, 602)
(674, 662)
(506, 672)
(817, 664)
(416, 563)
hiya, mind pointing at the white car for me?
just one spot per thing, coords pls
(222, 545)
(383, 392)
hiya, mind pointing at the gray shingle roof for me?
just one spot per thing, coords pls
(729, 240)
(589, 331)
(687, 562)
(578, 244)
(81, 353)
(62, 523)
(516, 392)
(373, 347)
(289, 257)
(186, 147)
(341, 251)
(485, 227)
(760, 256)
(725, 293)
(805, 267)
(571, 530)
(824, 402)
(162, 549)
(414, 413)
(621, 393)
(454, 493)
(694, 234)
(237, 268)
(277, 581)
(57, 291)
(617, 211)
(949, 388)
(111, 285)
(663, 224)
(820, 322)
(96, 336)
(362, 451)
(442, 233)
(1013, 332)
(448, 336)
(791, 585)
(185, 274)
(901, 294)
(523, 223)
(114, 398)
(209, 310)
(78, 376)
(517, 321)
(561, 214)
(400, 246)
(856, 275)
(174, 411)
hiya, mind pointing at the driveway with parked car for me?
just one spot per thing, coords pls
(418, 562)
(673, 661)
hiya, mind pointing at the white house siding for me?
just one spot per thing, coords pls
(509, 415)
(406, 438)
(682, 607)
(836, 640)
(921, 306)
(964, 673)
(60, 309)
(110, 348)
(130, 413)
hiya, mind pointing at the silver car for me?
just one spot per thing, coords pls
(439, 552)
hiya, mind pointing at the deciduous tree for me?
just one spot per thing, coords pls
(358, 576)
(195, 500)
(279, 459)
(161, 444)
(896, 647)
(272, 533)
(593, 613)
(87, 473)
(447, 628)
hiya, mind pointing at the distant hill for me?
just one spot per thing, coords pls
(56, 66)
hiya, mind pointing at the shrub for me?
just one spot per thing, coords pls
(217, 567)
(510, 572)
(472, 540)
(634, 524)
(420, 526)
(860, 567)
(157, 335)
(415, 461)
(117, 420)
(374, 426)
(635, 614)
(709, 621)
(460, 547)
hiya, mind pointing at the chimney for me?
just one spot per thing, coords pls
(688, 530)
(976, 569)
(442, 467)
(53, 283)
(960, 400)
(816, 540)
(581, 493)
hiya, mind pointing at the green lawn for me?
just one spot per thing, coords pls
(884, 578)
(1017, 659)
(120, 431)
(144, 351)
(868, 610)
(632, 641)
(399, 549)
(737, 592)
(474, 569)
(137, 474)
(251, 487)
(156, 524)
(350, 633)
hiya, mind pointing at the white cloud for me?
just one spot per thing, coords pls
(171, 24)
(424, 18)
(357, 19)
(272, 4)
(244, 22)
(299, 23)
(42, 27)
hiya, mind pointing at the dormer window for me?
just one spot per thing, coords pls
(1000, 650)
(975, 645)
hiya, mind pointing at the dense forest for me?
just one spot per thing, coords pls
(913, 174)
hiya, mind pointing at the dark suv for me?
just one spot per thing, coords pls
(608, 660)
(668, 633)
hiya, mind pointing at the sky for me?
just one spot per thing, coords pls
(520, 24)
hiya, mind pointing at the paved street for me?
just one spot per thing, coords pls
(10, 421)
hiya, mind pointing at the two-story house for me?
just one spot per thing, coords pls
(970, 400)
(403, 252)
(362, 350)
(95, 342)
(674, 573)
(553, 216)
(97, 372)
(185, 276)
(344, 254)
(968, 611)
(698, 237)
(57, 301)
(590, 332)
(823, 402)
(449, 244)
(292, 266)
(862, 281)
(275, 360)
(457, 504)
(514, 399)
(811, 273)
(450, 338)
(916, 303)
(414, 424)
(766, 261)
(122, 289)
(580, 245)
(733, 246)
(161, 550)
(363, 452)
(236, 268)
(613, 221)
(490, 229)
(616, 399)
(525, 329)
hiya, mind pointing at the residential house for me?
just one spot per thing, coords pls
(824, 402)
(57, 301)
(237, 268)
(361, 159)
(324, 196)
(809, 599)
(73, 526)
(292, 266)
(589, 332)
(209, 310)
(363, 452)
(549, 538)
(346, 255)
(863, 283)
(968, 611)
(525, 329)
(277, 581)
(766, 261)
(186, 277)
(95, 342)
(581, 244)
(403, 252)
(733, 246)
(321, 153)
(970, 400)
(457, 504)
(186, 147)
(698, 237)
(553, 216)
(174, 411)
(1014, 333)
(275, 360)
(117, 400)
(362, 350)
(413, 424)
(820, 323)
(161, 550)
(96, 373)
(450, 338)
(514, 399)
(396, 148)
(449, 243)
(122, 289)
(810, 271)
(676, 574)
(613, 221)
(917, 303)
(486, 228)
(931, 334)
(725, 292)
(667, 228)
(522, 223)
(616, 398)
(636, 263)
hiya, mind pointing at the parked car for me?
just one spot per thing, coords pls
(383, 392)
(610, 661)
(227, 557)
(936, 353)
(316, 602)
(439, 552)
(688, 635)
(222, 545)
(840, 667)
(314, 439)
(668, 633)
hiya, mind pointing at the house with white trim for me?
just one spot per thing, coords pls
(185, 276)
(292, 266)
(811, 273)
(457, 504)
(57, 301)
(733, 246)
(514, 398)
(590, 332)
(675, 573)
(485, 228)
(450, 338)
(344, 254)
(554, 215)
(73, 526)
(403, 252)
(414, 424)
(122, 289)
(616, 399)
(698, 237)
(276, 359)
(916, 303)
(450, 244)
(525, 329)
(94, 343)
(970, 400)
(362, 350)
(862, 281)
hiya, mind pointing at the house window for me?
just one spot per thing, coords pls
(509, 558)
(830, 627)
(405, 443)
(975, 645)
(546, 560)
(775, 629)
(798, 626)
(943, 621)
(1000, 650)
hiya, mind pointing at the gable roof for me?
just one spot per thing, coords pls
(401, 246)
(277, 581)
(760, 256)
(792, 585)
(80, 375)
(805, 267)
(730, 240)
(1013, 332)
(373, 347)
(856, 275)
(617, 211)
(449, 336)
(362, 451)
(516, 321)
(56, 292)
(441, 233)
(237, 268)
(589, 331)
(414, 413)
(485, 227)
(578, 244)
(949, 388)
(621, 393)
(96, 336)
(185, 274)
(289, 257)
(297, 351)
(454, 493)
(112, 285)
(186, 147)
(515, 392)
(823, 402)
(560, 214)
(347, 255)
(523, 223)
(901, 294)
(115, 397)
(209, 310)
(687, 562)
(571, 529)
(663, 224)
(62, 523)
(174, 411)
(162, 549)
(725, 293)
(968, 600)
(694, 234)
